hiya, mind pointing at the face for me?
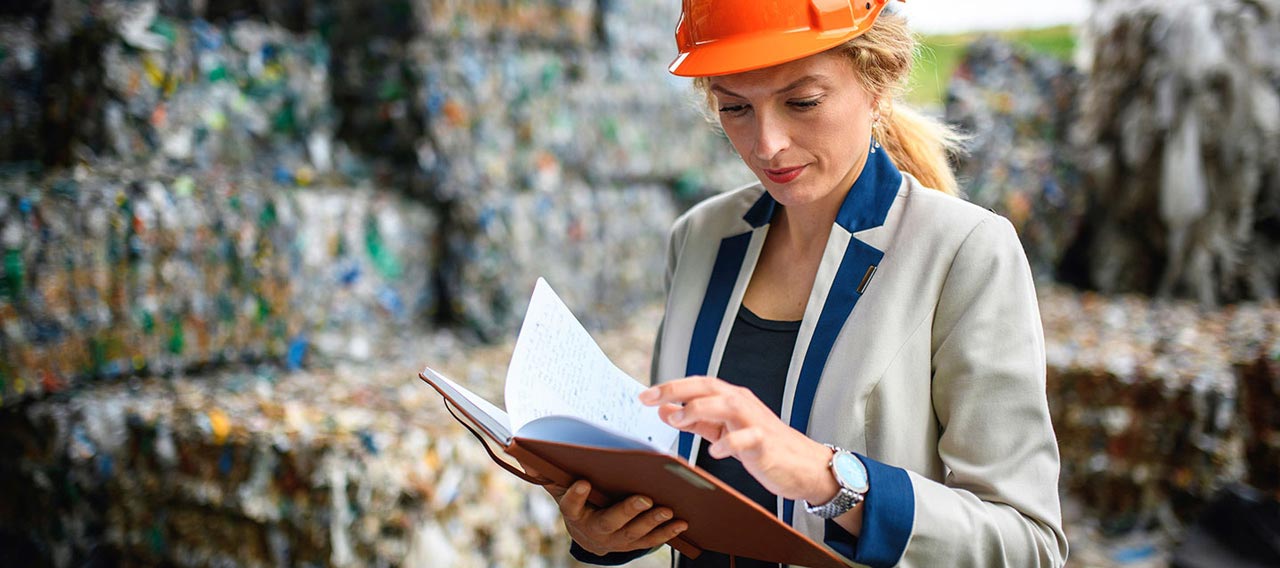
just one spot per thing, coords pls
(803, 127)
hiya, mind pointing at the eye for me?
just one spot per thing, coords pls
(805, 104)
(733, 109)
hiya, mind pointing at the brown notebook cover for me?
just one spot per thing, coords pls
(720, 518)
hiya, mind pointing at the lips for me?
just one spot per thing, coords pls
(784, 175)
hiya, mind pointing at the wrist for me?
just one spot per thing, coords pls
(851, 478)
(822, 485)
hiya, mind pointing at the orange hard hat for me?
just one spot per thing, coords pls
(719, 37)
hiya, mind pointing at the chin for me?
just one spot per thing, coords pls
(792, 194)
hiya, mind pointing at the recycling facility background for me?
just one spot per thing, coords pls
(233, 231)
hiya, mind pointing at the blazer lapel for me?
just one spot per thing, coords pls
(847, 268)
(734, 264)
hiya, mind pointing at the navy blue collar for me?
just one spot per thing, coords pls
(865, 207)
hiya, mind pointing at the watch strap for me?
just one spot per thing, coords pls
(845, 498)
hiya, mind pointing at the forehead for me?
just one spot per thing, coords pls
(827, 68)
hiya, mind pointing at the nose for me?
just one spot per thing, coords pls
(771, 136)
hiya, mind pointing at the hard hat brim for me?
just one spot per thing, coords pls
(740, 54)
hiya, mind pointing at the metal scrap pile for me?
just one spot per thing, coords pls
(1156, 405)
(1180, 143)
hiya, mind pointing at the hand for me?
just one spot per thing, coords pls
(630, 524)
(737, 424)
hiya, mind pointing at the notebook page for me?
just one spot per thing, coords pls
(491, 418)
(557, 369)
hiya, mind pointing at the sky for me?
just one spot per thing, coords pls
(945, 16)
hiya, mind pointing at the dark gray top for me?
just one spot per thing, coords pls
(756, 355)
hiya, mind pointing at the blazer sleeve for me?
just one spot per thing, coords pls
(675, 242)
(998, 504)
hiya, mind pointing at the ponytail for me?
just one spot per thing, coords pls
(882, 58)
(919, 145)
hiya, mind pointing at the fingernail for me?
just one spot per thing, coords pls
(649, 395)
(643, 503)
(680, 528)
(677, 416)
(580, 488)
(664, 514)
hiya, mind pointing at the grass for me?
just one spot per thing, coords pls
(940, 54)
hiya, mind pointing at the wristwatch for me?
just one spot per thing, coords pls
(851, 475)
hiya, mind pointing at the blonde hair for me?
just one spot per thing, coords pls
(882, 58)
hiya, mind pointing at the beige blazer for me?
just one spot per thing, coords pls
(921, 349)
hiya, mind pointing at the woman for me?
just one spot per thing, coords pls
(849, 347)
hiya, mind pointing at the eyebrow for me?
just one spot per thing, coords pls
(794, 85)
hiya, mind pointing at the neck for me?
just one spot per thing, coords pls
(807, 226)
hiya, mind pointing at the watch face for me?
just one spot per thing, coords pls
(850, 472)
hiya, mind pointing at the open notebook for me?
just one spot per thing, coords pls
(572, 414)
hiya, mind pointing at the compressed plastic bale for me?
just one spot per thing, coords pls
(20, 92)
(1261, 402)
(563, 23)
(1017, 107)
(1150, 400)
(366, 262)
(501, 115)
(356, 464)
(252, 97)
(107, 276)
(128, 80)
(602, 248)
(639, 29)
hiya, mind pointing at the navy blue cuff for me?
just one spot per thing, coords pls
(612, 559)
(888, 515)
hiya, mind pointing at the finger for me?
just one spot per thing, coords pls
(662, 534)
(709, 431)
(573, 505)
(611, 520)
(740, 443)
(645, 523)
(682, 390)
(735, 410)
(556, 491)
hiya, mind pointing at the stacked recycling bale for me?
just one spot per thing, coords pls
(462, 105)
(204, 252)
(1154, 403)
(251, 98)
(1260, 401)
(20, 140)
(114, 271)
(555, 150)
(119, 79)
(1180, 146)
(596, 247)
(349, 466)
(1017, 108)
